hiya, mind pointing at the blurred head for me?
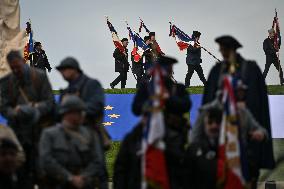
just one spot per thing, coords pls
(38, 46)
(196, 35)
(72, 110)
(152, 36)
(147, 40)
(8, 156)
(212, 123)
(271, 33)
(124, 42)
(69, 69)
(228, 46)
(16, 63)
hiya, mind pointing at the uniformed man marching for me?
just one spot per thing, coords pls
(121, 64)
(271, 55)
(38, 59)
(193, 60)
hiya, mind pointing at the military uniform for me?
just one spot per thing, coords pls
(121, 66)
(64, 153)
(33, 95)
(193, 61)
(271, 58)
(39, 60)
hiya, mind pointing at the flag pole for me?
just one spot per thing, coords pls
(210, 54)
(275, 21)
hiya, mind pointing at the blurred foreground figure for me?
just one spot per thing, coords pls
(27, 103)
(92, 94)
(39, 59)
(271, 55)
(69, 153)
(9, 164)
(154, 149)
(256, 95)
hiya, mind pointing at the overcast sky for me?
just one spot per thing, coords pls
(78, 28)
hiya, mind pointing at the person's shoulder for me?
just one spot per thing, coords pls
(38, 72)
(92, 81)
(53, 130)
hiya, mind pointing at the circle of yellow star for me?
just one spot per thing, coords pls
(114, 116)
(108, 107)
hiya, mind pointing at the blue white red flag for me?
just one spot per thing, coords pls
(182, 39)
(115, 38)
(154, 169)
(139, 45)
(29, 47)
(231, 163)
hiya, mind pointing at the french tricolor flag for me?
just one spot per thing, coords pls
(115, 38)
(182, 39)
(231, 163)
(139, 45)
(154, 169)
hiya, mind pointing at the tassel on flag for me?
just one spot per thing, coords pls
(182, 39)
(115, 38)
(154, 169)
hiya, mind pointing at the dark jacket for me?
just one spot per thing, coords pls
(200, 166)
(256, 101)
(148, 59)
(137, 67)
(121, 60)
(127, 168)
(64, 153)
(91, 92)
(269, 50)
(37, 91)
(193, 56)
(39, 60)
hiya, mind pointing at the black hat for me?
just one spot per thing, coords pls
(13, 55)
(6, 143)
(196, 34)
(146, 38)
(37, 44)
(69, 62)
(152, 34)
(124, 39)
(228, 42)
(166, 60)
(71, 102)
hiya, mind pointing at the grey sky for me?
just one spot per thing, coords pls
(78, 28)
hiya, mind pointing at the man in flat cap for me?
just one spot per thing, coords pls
(39, 59)
(177, 103)
(256, 96)
(27, 103)
(121, 64)
(193, 60)
(271, 55)
(69, 153)
(92, 94)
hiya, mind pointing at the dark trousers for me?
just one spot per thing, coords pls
(273, 60)
(121, 78)
(139, 76)
(190, 70)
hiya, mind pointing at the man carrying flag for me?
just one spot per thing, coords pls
(152, 153)
(271, 46)
(121, 57)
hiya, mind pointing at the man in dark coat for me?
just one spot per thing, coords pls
(193, 60)
(137, 69)
(256, 94)
(121, 64)
(38, 59)
(127, 170)
(69, 153)
(27, 103)
(271, 55)
(92, 94)
(148, 58)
